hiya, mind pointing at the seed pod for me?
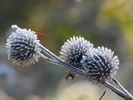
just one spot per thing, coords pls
(22, 46)
(73, 50)
(100, 64)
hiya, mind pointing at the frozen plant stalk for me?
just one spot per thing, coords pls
(77, 55)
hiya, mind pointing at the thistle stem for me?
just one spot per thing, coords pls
(59, 62)
(122, 88)
(63, 64)
(102, 95)
(49, 53)
(56, 60)
(118, 91)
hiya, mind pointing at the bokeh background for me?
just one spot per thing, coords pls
(103, 22)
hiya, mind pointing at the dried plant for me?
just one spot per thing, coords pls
(77, 55)
(72, 52)
(23, 46)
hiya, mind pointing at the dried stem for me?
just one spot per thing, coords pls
(63, 64)
(104, 92)
(56, 60)
(49, 53)
(122, 88)
(118, 91)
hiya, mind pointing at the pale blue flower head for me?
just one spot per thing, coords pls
(22, 46)
(73, 50)
(100, 64)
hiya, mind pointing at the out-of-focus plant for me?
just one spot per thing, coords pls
(82, 90)
(4, 96)
(119, 12)
(8, 74)
(77, 91)
(78, 55)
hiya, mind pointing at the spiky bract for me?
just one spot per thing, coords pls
(22, 46)
(100, 64)
(73, 50)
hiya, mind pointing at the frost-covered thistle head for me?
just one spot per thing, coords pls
(100, 64)
(73, 50)
(22, 46)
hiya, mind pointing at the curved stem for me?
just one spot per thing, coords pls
(118, 91)
(122, 88)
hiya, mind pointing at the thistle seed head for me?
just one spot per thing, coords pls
(100, 64)
(22, 46)
(73, 50)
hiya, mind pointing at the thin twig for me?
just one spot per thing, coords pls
(102, 95)
(122, 88)
(48, 52)
(63, 64)
(55, 60)
(118, 91)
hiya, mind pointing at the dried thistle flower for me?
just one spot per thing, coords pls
(23, 46)
(77, 54)
(100, 64)
(73, 50)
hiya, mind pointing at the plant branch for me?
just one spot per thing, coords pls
(104, 92)
(122, 88)
(63, 64)
(118, 91)
(49, 53)
(56, 60)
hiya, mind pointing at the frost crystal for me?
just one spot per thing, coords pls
(100, 64)
(23, 46)
(73, 50)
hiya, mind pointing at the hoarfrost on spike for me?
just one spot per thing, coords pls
(22, 46)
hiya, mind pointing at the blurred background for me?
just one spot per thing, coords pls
(103, 22)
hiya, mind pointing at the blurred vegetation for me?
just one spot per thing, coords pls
(120, 12)
(103, 22)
